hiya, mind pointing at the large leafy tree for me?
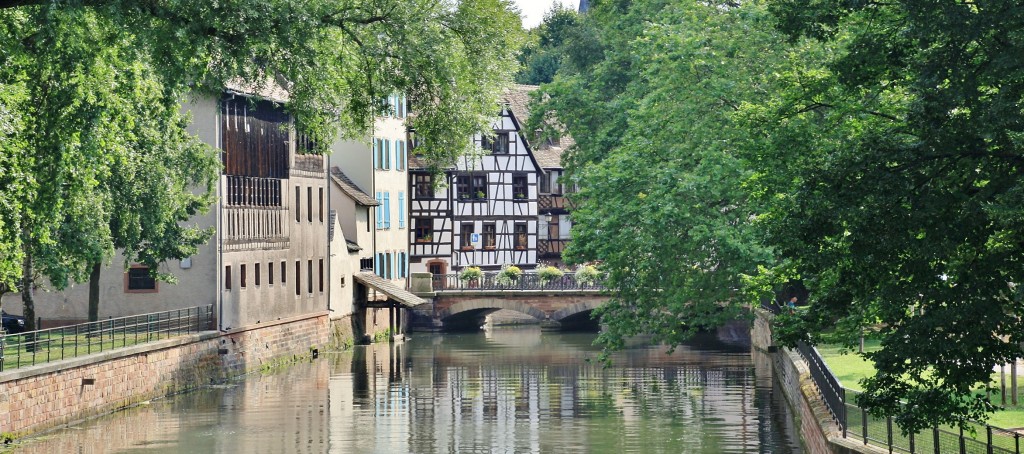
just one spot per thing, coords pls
(541, 54)
(659, 158)
(75, 102)
(906, 150)
(870, 150)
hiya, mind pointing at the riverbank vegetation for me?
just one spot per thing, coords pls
(869, 152)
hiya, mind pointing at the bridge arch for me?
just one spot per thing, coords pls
(477, 305)
(577, 308)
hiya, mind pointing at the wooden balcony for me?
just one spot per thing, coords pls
(548, 249)
(553, 204)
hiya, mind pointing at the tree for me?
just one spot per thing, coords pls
(541, 54)
(659, 160)
(906, 152)
(68, 109)
(871, 151)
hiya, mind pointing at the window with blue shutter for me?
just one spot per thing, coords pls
(399, 161)
(376, 265)
(376, 151)
(380, 211)
(387, 210)
(383, 264)
(401, 210)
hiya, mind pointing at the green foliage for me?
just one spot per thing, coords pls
(470, 273)
(541, 54)
(871, 151)
(508, 275)
(587, 275)
(94, 155)
(547, 273)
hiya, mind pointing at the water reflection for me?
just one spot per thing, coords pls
(506, 390)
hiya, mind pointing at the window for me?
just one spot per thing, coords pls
(467, 234)
(519, 240)
(401, 210)
(471, 187)
(257, 279)
(520, 190)
(298, 203)
(545, 183)
(387, 210)
(138, 280)
(309, 276)
(376, 153)
(321, 280)
(380, 210)
(480, 186)
(424, 230)
(270, 273)
(284, 273)
(227, 277)
(399, 154)
(490, 236)
(242, 276)
(424, 183)
(496, 145)
(386, 154)
(388, 265)
(298, 278)
(321, 205)
(309, 204)
(378, 265)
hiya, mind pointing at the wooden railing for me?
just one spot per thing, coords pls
(553, 202)
(255, 223)
(551, 248)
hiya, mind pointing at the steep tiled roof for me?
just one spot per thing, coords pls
(351, 189)
(517, 98)
(548, 154)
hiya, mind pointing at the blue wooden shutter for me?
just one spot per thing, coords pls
(387, 210)
(380, 211)
(401, 210)
(376, 265)
(376, 162)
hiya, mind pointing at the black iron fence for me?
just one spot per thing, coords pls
(831, 391)
(527, 281)
(884, 433)
(42, 346)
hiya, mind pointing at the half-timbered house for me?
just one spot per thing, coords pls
(486, 214)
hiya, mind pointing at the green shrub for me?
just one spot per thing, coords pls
(508, 275)
(587, 275)
(471, 273)
(548, 273)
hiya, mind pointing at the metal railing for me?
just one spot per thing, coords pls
(54, 344)
(857, 424)
(528, 281)
(883, 432)
(831, 391)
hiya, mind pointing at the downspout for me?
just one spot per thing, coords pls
(218, 285)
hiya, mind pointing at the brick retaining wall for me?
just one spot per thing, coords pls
(40, 397)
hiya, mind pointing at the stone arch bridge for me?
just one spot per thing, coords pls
(462, 307)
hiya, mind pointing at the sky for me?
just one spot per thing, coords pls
(533, 10)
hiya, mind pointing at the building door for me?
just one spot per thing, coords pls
(437, 269)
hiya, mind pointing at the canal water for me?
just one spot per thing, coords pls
(513, 390)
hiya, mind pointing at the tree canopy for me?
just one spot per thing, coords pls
(90, 89)
(870, 151)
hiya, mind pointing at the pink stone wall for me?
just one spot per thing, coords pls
(44, 396)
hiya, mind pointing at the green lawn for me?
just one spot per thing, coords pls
(850, 368)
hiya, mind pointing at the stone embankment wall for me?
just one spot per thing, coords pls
(40, 397)
(818, 432)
